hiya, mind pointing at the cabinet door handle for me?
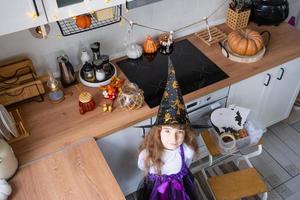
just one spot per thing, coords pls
(281, 75)
(36, 8)
(269, 78)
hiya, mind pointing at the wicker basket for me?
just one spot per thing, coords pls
(237, 20)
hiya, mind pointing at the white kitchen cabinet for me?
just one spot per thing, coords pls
(61, 9)
(19, 15)
(270, 95)
(120, 150)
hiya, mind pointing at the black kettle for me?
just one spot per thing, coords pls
(67, 74)
(269, 12)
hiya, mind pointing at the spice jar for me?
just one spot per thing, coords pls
(88, 72)
(99, 72)
(106, 65)
(86, 102)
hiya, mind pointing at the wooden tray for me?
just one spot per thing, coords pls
(18, 81)
(216, 35)
(22, 92)
(22, 128)
(227, 52)
(16, 69)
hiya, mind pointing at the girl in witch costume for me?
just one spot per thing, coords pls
(168, 149)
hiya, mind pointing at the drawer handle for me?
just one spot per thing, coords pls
(281, 75)
(269, 78)
(36, 9)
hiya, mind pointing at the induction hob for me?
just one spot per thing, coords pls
(193, 71)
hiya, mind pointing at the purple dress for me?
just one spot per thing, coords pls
(179, 186)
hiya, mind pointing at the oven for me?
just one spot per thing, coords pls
(199, 111)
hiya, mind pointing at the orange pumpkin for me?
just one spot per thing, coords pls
(149, 45)
(83, 21)
(245, 42)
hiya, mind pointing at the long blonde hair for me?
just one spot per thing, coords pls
(154, 147)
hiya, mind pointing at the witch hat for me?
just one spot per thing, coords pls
(172, 109)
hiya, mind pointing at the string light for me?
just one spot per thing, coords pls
(205, 19)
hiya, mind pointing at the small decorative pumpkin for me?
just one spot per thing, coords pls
(134, 51)
(5, 189)
(83, 21)
(150, 45)
(245, 42)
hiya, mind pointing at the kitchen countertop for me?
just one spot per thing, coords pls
(78, 171)
(53, 126)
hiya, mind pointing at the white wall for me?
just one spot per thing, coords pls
(166, 14)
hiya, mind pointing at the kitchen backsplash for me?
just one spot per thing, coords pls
(166, 14)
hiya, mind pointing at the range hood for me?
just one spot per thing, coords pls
(130, 4)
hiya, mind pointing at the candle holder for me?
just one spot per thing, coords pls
(55, 94)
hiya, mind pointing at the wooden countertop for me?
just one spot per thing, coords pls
(78, 171)
(53, 126)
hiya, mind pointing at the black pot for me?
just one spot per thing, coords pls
(269, 12)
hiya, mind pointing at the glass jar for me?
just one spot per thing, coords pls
(131, 97)
(88, 72)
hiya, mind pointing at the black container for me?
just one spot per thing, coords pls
(269, 12)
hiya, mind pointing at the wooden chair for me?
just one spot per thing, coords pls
(234, 185)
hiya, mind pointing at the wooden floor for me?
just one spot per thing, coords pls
(279, 163)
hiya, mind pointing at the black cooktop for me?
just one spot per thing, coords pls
(193, 71)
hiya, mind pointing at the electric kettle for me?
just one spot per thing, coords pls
(67, 74)
(8, 161)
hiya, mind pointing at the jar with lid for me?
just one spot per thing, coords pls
(106, 65)
(100, 74)
(88, 72)
(95, 47)
(86, 102)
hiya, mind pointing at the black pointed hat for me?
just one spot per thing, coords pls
(172, 109)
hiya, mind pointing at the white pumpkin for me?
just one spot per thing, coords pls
(5, 189)
(134, 51)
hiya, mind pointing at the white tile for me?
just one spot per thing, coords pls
(288, 159)
(290, 188)
(297, 126)
(272, 172)
(287, 135)
(295, 196)
(273, 195)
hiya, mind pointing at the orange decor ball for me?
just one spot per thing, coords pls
(83, 21)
